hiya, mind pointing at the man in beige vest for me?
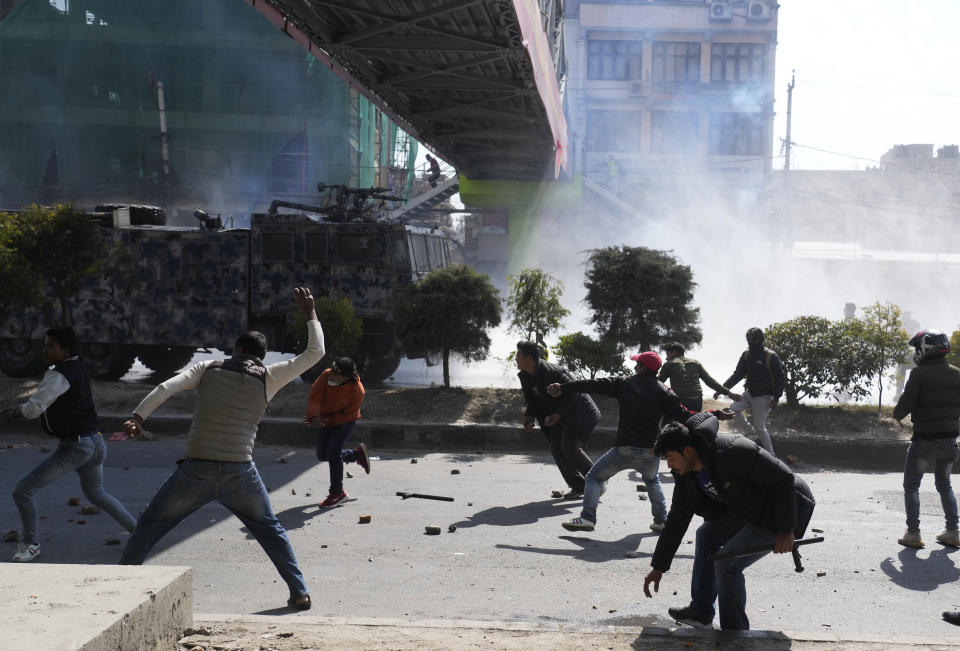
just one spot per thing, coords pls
(232, 395)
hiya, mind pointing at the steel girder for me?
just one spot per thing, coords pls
(458, 75)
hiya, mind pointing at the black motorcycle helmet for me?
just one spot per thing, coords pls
(929, 344)
(755, 337)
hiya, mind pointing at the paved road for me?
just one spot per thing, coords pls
(509, 559)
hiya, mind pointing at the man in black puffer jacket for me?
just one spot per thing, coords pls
(745, 496)
(566, 422)
(765, 379)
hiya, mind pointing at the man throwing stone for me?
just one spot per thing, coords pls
(232, 396)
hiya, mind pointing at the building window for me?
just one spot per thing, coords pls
(613, 130)
(675, 132)
(618, 60)
(736, 134)
(676, 62)
(736, 62)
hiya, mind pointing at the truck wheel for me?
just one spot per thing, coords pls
(108, 361)
(375, 371)
(165, 360)
(21, 357)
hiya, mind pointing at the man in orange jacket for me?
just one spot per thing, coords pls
(334, 407)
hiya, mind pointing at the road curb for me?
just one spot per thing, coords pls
(849, 453)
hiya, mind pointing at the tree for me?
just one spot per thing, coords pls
(953, 357)
(584, 356)
(20, 286)
(534, 304)
(342, 328)
(882, 329)
(640, 297)
(818, 356)
(62, 247)
(448, 311)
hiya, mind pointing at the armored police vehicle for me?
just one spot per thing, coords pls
(185, 289)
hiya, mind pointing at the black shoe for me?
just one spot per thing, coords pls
(952, 617)
(362, 459)
(686, 615)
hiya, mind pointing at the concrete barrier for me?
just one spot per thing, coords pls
(94, 607)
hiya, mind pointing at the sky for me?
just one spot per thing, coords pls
(869, 74)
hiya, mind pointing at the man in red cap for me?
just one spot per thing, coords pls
(643, 401)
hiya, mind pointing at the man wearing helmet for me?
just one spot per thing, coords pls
(764, 385)
(932, 399)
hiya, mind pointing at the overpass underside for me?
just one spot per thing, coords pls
(478, 81)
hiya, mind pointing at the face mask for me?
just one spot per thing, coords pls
(332, 383)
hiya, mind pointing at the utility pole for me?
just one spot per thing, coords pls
(786, 157)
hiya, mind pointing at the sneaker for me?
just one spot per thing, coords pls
(911, 539)
(949, 537)
(657, 526)
(579, 524)
(952, 617)
(687, 616)
(573, 494)
(333, 499)
(362, 459)
(26, 552)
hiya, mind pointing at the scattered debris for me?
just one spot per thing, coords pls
(642, 497)
(90, 509)
(821, 573)
(369, 559)
(469, 503)
(81, 521)
(815, 530)
(432, 530)
(286, 455)
(414, 460)
(612, 610)
(556, 494)
(323, 546)
(365, 519)
(452, 528)
(349, 475)
(792, 460)
(44, 448)
(454, 472)
(196, 631)
(11, 536)
(113, 541)
(641, 488)
(73, 501)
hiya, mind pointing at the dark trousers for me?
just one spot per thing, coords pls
(572, 461)
(330, 442)
(693, 404)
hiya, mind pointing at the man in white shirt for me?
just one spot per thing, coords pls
(218, 464)
(64, 404)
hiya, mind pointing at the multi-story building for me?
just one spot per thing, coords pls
(661, 89)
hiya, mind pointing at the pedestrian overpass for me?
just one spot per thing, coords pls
(480, 82)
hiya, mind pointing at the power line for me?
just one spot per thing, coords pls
(886, 164)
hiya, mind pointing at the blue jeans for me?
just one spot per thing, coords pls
(759, 407)
(724, 579)
(238, 487)
(86, 457)
(923, 453)
(614, 460)
(330, 442)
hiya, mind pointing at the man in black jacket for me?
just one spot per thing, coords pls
(764, 381)
(64, 403)
(643, 402)
(566, 422)
(745, 496)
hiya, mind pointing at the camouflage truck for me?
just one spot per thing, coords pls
(198, 288)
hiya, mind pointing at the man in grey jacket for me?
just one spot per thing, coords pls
(218, 464)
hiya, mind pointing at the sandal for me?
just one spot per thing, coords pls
(298, 603)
